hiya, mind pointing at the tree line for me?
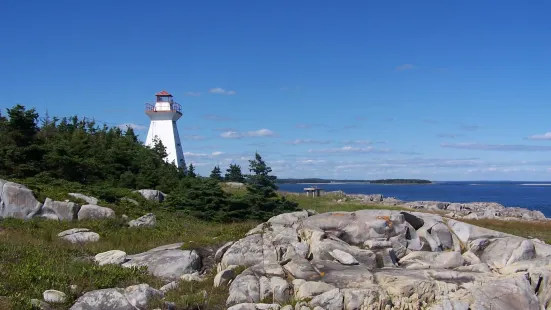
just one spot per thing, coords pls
(77, 150)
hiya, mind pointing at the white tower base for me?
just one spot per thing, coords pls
(163, 127)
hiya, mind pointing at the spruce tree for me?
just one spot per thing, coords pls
(191, 171)
(216, 173)
(234, 174)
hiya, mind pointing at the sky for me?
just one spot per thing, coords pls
(333, 89)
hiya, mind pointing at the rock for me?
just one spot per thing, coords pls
(330, 300)
(59, 210)
(281, 290)
(245, 288)
(221, 251)
(343, 257)
(152, 194)
(431, 260)
(89, 200)
(288, 218)
(94, 212)
(148, 220)
(235, 184)
(40, 304)
(243, 306)
(525, 251)
(168, 261)
(79, 235)
(115, 257)
(105, 299)
(471, 216)
(54, 297)
(168, 287)
(442, 235)
(224, 277)
(505, 294)
(245, 252)
(191, 277)
(414, 221)
(470, 258)
(311, 289)
(141, 295)
(17, 201)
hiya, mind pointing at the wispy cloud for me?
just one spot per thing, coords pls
(218, 90)
(214, 117)
(357, 142)
(405, 67)
(448, 135)
(350, 149)
(193, 94)
(131, 125)
(192, 155)
(470, 127)
(308, 141)
(255, 133)
(308, 126)
(192, 128)
(193, 137)
(545, 136)
(498, 147)
(430, 121)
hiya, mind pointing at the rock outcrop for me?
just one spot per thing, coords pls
(152, 194)
(79, 235)
(18, 201)
(471, 210)
(380, 259)
(169, 261)
(131, 298)
(148, 220)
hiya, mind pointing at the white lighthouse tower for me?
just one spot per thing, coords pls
(164, 114)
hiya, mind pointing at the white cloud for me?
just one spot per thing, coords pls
(131, 125)
(405, 67)
(545, 136)
(309, 141)
(238, 135)
(193, 137)
(498, 147)
(231, 135)
(261, 133)
(218, 90)
(202, 155)
(350, 149)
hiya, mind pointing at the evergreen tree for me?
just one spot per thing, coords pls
(191, 171)
(262, 192)
(260, 181)
(216, 173)
(234, 174)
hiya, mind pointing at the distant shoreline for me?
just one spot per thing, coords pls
(342, 182)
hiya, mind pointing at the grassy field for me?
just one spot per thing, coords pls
(34, 260)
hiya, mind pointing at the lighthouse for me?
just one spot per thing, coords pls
(163, 115)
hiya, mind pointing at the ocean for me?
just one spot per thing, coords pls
(530, 195)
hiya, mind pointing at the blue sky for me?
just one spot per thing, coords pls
(350, 89)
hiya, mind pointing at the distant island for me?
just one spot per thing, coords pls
(328, 181)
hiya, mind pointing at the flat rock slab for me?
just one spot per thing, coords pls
(79, 235)
(167, 262)
(115, 257)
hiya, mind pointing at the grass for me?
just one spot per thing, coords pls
(34, 259)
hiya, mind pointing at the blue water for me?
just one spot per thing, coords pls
(530, 195)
